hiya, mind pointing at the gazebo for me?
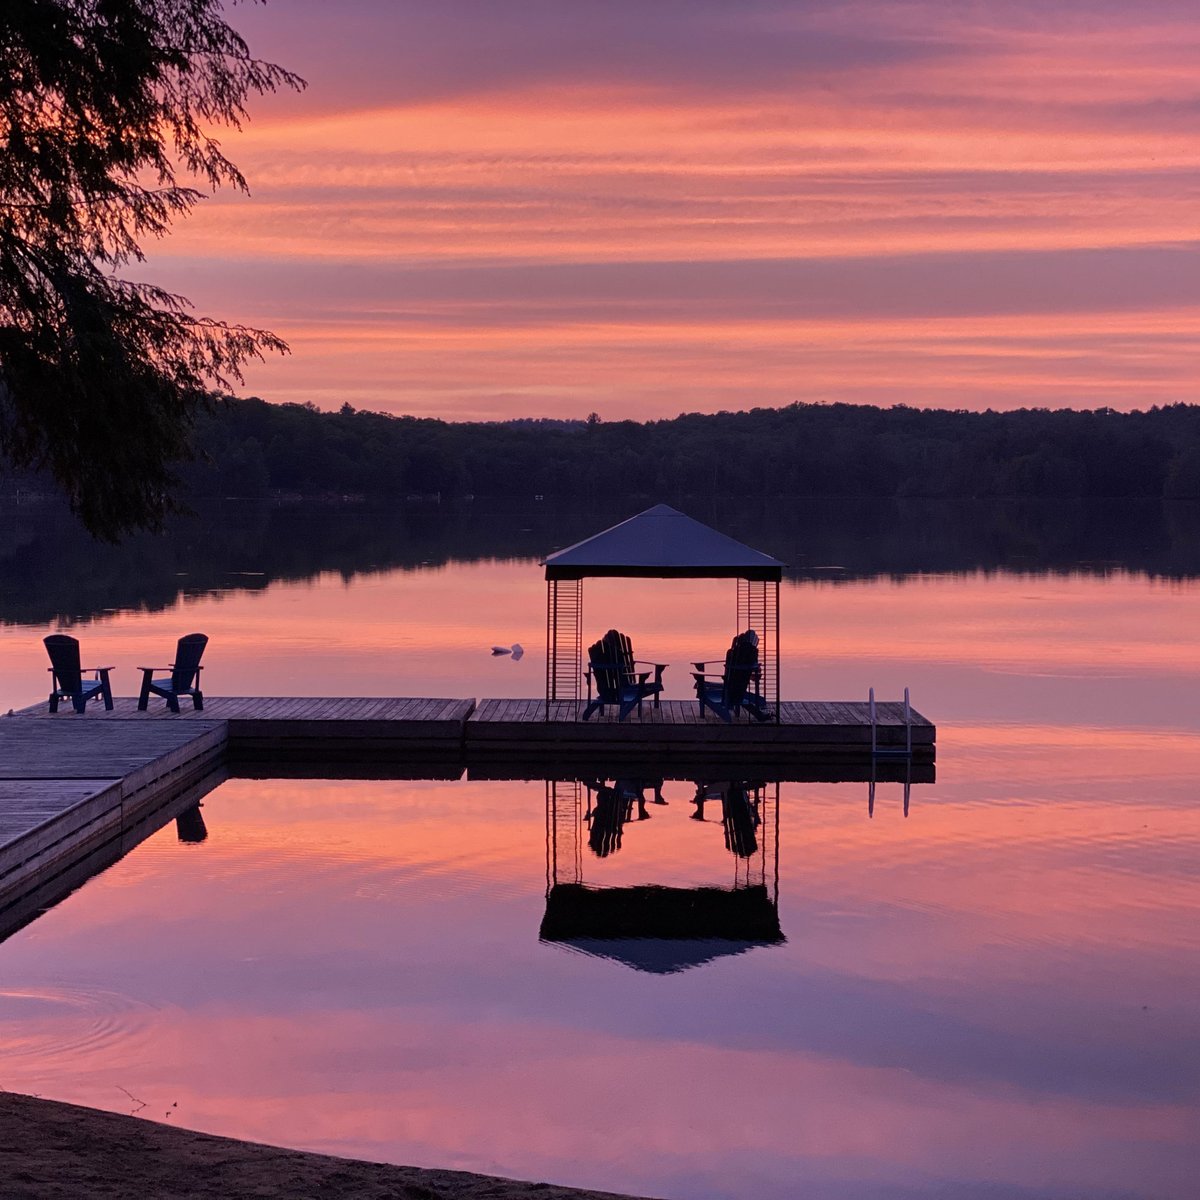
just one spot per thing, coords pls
(660, 543)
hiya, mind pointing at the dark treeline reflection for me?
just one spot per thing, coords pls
(50, 570)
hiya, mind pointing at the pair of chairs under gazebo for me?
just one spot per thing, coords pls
(662, 543)
(615, 682)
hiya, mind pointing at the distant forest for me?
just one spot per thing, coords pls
(250, 448)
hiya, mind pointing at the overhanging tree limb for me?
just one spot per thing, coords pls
(105, 105)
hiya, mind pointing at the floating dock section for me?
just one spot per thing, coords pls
(76, 791)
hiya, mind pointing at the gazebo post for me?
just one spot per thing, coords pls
(551, 643)
(778, 716)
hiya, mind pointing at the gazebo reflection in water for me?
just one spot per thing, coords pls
(652, 927)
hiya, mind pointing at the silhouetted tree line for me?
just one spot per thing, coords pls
(257, 449)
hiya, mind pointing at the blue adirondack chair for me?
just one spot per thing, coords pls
(184, 679)
(67, 676)
(612, 671)
(736, 688)
(629, 666)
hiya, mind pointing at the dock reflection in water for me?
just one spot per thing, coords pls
(652, 926)
(354, 967)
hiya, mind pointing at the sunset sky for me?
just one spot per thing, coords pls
(548, 207)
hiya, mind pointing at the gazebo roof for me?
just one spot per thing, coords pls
(662, 543)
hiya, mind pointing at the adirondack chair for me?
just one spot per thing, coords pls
(67, 676)
(736, 689)
(612, 668)
(629, 665)
(184, 679)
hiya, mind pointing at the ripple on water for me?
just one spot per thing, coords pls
(52, 1022)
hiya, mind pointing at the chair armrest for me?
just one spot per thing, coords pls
(645, 662)
(167, 668)
(707, 675)
(97, 669)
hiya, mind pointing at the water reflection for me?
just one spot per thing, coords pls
(741, 813)
(652, 926)
(49, 888)
(52, 572)
(908, 782)
(664, 929)
(190, 827)
(993, 998)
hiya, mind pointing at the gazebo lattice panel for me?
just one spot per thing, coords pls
(564, 639)
(758, 609)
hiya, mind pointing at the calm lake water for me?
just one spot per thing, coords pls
(994, 997)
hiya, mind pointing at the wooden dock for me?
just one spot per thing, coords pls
(77, 790)
(829, 730)
(69, 792)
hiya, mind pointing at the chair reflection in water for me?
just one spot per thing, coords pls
(612, 807)
(653, 927)
(190, 827)
(740, 816)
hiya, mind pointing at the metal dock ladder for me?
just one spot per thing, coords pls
(878, 751)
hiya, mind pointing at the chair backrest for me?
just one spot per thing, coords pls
(64, 658)
(187, 660)
(626, 659)
(741, 661)
(606, 670)
(619, 649)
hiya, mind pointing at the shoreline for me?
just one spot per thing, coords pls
(51, 1150)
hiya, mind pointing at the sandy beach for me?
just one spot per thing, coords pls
(49, 1149)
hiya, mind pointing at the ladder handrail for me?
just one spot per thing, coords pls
(872, 712)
